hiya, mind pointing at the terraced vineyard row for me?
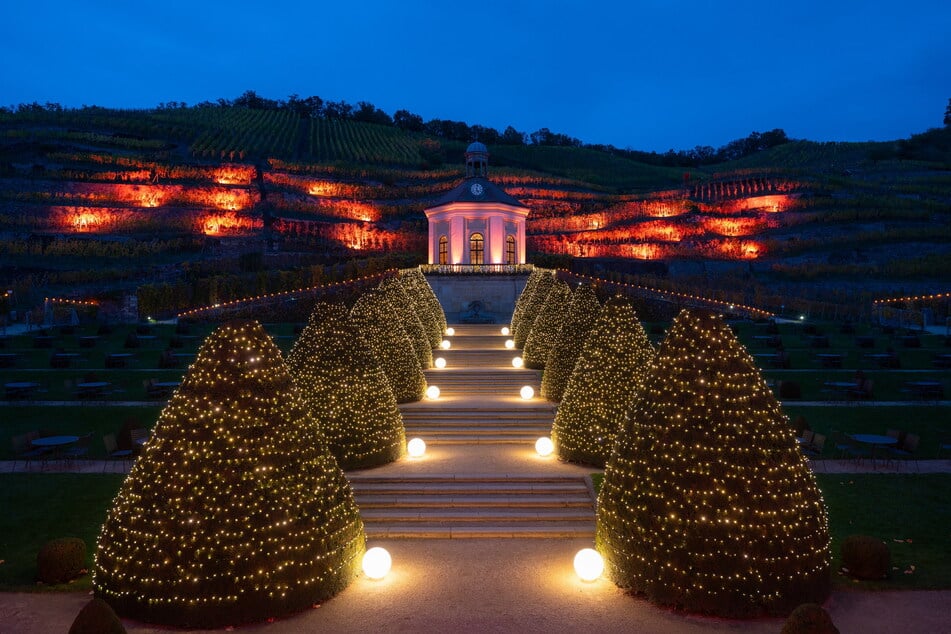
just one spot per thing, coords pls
(236, 133)
(356, 142)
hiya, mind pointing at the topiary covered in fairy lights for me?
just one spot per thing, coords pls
(404, 307)
(379, 323)
(583, 311)
(545, 329)
(235, 511)
(533, 306)
(427, 297)
(524, 297)
(413, 287)
(707, 504)
(606, 379)
(346, 390)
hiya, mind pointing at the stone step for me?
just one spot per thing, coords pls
(581, 500)
(478, 530)
(490, 515)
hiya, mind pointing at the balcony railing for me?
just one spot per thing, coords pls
(476, 269)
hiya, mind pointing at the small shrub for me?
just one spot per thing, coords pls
(61, 560)
(809, 618)
(865, 557)
(789, 389)
(97, 617)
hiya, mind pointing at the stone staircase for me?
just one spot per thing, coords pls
(461, 506)
(479, 405)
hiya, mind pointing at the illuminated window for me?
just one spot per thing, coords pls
(476, 249)
(443, 250)
(510, 250)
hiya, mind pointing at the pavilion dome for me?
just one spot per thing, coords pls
(477, 146)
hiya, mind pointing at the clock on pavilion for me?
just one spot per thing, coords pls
(477, 222)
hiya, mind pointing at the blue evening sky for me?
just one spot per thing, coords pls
(645, 74)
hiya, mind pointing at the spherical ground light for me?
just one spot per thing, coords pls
(588, 564)
(517, 362)
(450, 331)
(445, 344)
(505, 331)
(439, 363)
(376, 563)
(432, 392)
(544, 446)
(527, 392)
(509, 344)
(416, 448)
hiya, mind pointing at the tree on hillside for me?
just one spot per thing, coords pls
(545, 329)
(707, 503)
(947, 114)
(236, 511)
(607, 377)
(380, 325)
(404, 306)
(583, 310)
(346, 390)
(524, 297)
(533, 306)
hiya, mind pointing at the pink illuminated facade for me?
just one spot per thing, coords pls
(477, 223)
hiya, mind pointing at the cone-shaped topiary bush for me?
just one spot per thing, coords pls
(346, 390)
(583, 311)
(413, 287)
(403, 305)
(97, 617)
(533, 306)
(428, 297)
(524, 297)
(707, 504)
(380, 326)
(235, 511)
(606, 379)
(545, 329)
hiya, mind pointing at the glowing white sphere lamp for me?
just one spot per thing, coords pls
(517, 362)
(544, 446)
(432, 392)
(377, 562)
(588, 564)
(450, 331)
(527, 392)
(509, 344)
(505, 331)
(416, 448)
(440, 363)
(445, 344)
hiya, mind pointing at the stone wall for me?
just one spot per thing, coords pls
(496, 292)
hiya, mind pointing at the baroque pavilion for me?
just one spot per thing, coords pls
(477, 223)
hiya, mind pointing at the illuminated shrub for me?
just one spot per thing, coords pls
(533, 306)
(404, 307)
(606, 379)
(583, 311)
(413, 287)
(380, 325)
(542, 337)
(97, 617)
(235, 511)
(346, 390)
(707, 504)
(426, 297)
(61, 560)
(525, 296)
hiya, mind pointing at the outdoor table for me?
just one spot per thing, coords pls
(819, 341)
(54, 443)
(20, 389)
(883, 359)
(865, 342)
(911, 341)
(942, 361)
(118, 359)
(8, 359)
(88, 341)
(43, 341)
(62, 359)
(874, 441)
(91, 388)
(830, 360)
(162, 388)
(841, 387)
(925, 389)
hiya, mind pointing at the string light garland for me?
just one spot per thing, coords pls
(546, 326)
(707, 503)
(380, 325)
(606, 379)
(235, 511)
(533, 306)
(71, 302)
(346, 390)
(405, 308)
(911, 298)
(583, 311)
(524, 297)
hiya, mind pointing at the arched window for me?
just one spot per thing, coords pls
(443, 250)
(476, 249)
(510, 250)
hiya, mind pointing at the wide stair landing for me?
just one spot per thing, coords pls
(479, 405)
